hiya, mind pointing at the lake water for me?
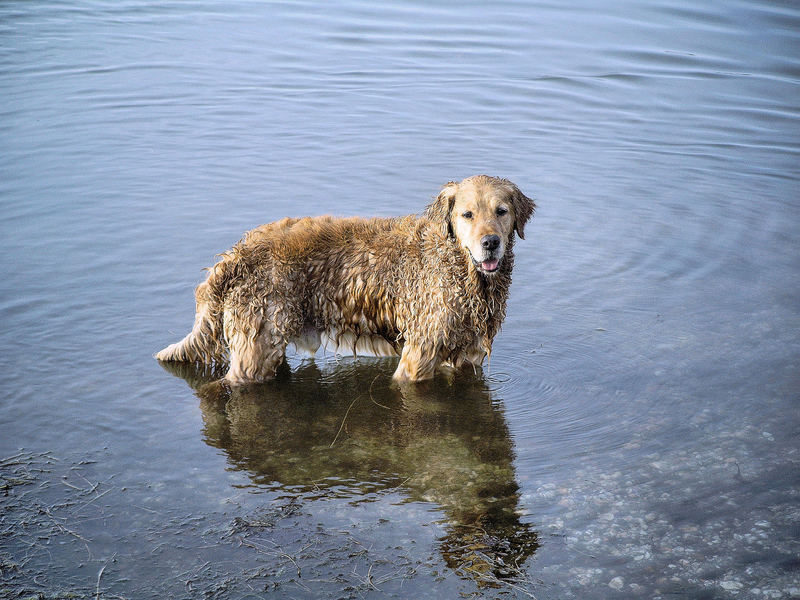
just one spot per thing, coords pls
(637, 432)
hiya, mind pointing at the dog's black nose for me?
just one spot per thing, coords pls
(490, 242)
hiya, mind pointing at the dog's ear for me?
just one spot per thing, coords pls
(523, 209)
(439, 209)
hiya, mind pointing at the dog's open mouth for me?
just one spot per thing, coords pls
(490, 265)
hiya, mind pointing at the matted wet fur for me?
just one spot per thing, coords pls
(431, 289)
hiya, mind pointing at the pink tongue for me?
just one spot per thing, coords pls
(489, 265)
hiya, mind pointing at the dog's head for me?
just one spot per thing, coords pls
(482, 213)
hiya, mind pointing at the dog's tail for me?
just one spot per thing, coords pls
(205, 342)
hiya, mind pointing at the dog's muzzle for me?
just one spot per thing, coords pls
(489, 246)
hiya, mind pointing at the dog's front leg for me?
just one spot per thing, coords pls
(417, 363)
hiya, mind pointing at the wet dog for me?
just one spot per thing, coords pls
(431, 289)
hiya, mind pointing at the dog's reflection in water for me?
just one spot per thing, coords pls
(346, 430)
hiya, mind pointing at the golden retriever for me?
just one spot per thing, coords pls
(431, 289)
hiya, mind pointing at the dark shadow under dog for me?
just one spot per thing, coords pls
(346, 431)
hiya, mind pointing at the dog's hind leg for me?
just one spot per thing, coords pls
(257, 344)
(254, 362)
(417, 363)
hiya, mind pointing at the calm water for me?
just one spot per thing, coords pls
(637, 433)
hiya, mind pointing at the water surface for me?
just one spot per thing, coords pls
(636, 433)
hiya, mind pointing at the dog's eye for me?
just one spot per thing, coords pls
(467, 214)
(501, 211)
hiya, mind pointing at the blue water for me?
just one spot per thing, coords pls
(636, 434)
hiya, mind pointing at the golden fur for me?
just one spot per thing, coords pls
(431, 289)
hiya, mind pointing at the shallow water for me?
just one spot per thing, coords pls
(636, 433)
